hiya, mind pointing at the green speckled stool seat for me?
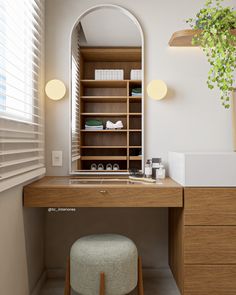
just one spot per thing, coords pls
(105, 264)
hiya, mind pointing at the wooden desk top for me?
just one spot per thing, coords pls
(101, 192)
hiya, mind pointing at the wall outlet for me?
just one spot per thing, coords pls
(57, 158)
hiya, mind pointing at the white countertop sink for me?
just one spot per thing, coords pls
(203, 169)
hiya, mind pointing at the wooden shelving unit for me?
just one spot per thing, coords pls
(184, 38)
(110, 100)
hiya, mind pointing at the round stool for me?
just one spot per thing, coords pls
(104, 264)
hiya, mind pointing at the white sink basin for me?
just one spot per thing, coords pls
(203, 169)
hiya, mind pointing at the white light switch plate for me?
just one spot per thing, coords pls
(57, 158)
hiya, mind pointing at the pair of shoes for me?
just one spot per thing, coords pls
(117, 125)
(115, 167)
(100, 167)
(97, 167)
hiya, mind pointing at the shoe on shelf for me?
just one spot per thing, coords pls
(109, 166)
(93, 167)
(100, 167)
(116, 167)
(111, 125)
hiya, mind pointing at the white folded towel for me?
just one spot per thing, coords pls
(117, 125)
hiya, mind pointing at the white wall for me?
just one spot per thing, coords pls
(191, 118)
(21, 244)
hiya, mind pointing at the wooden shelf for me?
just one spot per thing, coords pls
(135, 158)
(111, 54)
(135, 114)
(135, 81)
(109, 158)
(105, 130)
(104, 147)
(108, 83)
(104, 98)
(105, 171)
(135, 147)
(111, 130)
(104, 83)
(104, 114)
(133, 98)
(184, 38)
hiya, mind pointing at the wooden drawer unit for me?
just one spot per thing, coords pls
(210, 280)
(202, 236)
(210, 206)
(210, 245)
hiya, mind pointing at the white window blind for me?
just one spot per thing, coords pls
(21, 81)
(75, 94)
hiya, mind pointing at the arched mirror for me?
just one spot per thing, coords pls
(106, 92)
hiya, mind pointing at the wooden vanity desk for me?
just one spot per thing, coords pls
(202, 227)
(101, 192)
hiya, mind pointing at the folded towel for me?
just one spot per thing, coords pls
(94, 127)
(93, 122)
(137, 90)
(136, 94)
(117, 125)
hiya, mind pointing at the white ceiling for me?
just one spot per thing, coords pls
(109, 27)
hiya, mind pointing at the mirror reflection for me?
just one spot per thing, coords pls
(106, 94)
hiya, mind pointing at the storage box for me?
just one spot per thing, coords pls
(136, 75)
(109, 74)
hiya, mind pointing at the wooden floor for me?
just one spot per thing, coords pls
(156, 283)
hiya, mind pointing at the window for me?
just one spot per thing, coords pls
(21, 81)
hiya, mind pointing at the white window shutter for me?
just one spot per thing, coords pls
(75, 97)
(21, 91)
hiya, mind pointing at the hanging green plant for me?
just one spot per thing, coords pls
(215, 22)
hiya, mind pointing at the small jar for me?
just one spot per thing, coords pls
(161, 172)
(148, 169)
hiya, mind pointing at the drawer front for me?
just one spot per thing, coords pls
(210, 280)
(210, 206)
(210, 245)
(103, 197)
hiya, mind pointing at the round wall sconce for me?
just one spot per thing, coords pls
(55, 89)
(157, 89)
